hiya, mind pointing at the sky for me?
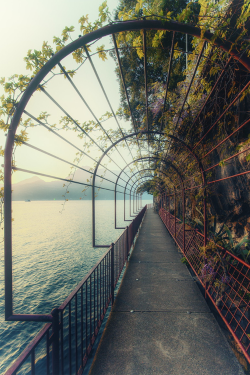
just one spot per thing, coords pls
(25, 25)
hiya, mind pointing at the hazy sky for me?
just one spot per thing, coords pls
(25, 24)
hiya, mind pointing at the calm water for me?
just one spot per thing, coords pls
(52, 252)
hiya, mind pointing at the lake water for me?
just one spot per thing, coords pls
(52, 252)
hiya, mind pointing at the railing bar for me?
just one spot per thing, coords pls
(70, 358)
(25, 354)
(86, 314)
(81, 325)
(90, 306)
(62, 346)
(76, 334)
(97, 296)
(100, 298)
(33, 361)
(103, 289)
(47, 354)
(94, 321)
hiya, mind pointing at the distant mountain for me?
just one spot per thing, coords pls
(35, 188)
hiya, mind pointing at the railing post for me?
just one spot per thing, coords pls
(127, 242)
(112, 272)
(55, 342)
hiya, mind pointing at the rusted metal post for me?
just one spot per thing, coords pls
(55, 343)
(112, 273)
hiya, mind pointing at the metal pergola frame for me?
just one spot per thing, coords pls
(35, 83)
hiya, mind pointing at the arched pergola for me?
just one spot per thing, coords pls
(192, 162)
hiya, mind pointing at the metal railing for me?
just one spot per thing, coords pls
(226, 281)
(63, 346)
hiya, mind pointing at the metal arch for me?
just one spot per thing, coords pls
(133, 161)
(80, 42)
(122, 139)
(139, 159)
(142, 170)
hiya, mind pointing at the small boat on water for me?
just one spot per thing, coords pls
(28, 200)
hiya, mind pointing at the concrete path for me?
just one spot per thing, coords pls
(160, 323)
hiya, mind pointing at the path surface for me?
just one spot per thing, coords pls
(160, 323)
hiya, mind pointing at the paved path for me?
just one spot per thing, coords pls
(160, 323)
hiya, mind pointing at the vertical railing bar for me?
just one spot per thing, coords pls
(105, 283)
(32, 358)
(90, 307)
(82, 325)
(103, 291)
(70, 359)
(100, 302)
(97, 296)
(112, 273)
(47, 350)
(86, 321)
(76, 340)
(62, 362)
(94, 302)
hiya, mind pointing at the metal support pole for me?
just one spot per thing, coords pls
(112, 273)
(55, 343)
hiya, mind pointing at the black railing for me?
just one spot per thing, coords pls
(63, 346)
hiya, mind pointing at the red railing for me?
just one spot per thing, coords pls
(226, 281)
(63, 346)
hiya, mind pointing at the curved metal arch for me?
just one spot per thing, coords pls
(171, 165)
(122, 139)
(134, 191)
(142, 170)
(133, 161)
(81, 42)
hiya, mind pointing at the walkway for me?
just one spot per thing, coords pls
(160, 323)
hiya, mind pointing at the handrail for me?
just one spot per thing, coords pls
(226, 281)
(77, 321)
